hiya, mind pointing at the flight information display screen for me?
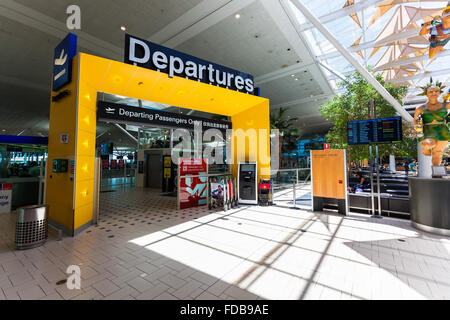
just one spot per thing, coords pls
(106, 148)
(385, 130)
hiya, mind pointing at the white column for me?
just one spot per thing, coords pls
(392, 166)
(424, 163)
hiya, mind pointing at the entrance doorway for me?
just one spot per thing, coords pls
(137, 156)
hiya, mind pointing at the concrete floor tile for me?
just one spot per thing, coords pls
(248, 253)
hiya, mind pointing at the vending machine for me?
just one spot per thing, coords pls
(247, 182)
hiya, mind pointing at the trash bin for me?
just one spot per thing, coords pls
(31, 226)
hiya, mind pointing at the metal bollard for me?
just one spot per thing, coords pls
(295, 197)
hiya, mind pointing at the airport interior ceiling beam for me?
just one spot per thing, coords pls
(425, 74)
(346, 11)
(347, 55)
(361, 5)
(373, 44)
(403, 62)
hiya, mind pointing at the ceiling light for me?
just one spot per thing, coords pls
(296, 79)
(4, 130)
(292, 75)
(123, 28)
(237, 16)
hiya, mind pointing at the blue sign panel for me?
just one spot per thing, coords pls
(24, 140)
(152, 56)
(62, 62)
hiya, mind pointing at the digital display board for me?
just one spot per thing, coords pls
(385, 130)
(106, 148)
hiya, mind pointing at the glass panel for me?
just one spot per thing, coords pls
(23, 169)
(154, 138)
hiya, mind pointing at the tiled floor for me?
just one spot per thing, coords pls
(144, 249)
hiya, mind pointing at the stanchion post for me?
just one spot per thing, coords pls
(294, 196)
(371, 179)
(236, 195)
(377, 163)
(124, 176)
(178, 188)
(41, 175)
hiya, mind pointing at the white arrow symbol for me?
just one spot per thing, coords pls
(59, 75)
(61, 60)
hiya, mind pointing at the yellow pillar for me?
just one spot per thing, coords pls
(69, 196)
(253, 122)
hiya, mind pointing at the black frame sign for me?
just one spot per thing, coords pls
(108, 111)
(146, 54)
(385, 130)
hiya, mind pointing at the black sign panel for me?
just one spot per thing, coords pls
(14, 149)
(385, 130)
(107, 111)
(140, 166)
(146, 54)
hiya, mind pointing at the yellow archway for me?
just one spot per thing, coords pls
(70, 196)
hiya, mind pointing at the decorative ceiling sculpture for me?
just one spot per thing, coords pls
(384, 35)
(405, 47)
(439, 31)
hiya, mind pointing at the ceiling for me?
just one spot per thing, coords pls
(263, 41)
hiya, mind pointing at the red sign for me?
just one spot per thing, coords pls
(121, 164)
(326, 146)
(6, 186)
(193, 190)
(113, 164)
(105, 164)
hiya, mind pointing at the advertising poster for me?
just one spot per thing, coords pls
(113, 164)
(121, 164)
(217, 193)
(105, 164)
(5, 197)
(192, 190)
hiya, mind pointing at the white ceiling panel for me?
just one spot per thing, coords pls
(287, 89)
(253, 43)
(103, 18)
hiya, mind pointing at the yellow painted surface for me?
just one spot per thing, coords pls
(247, 126)
(63, 119)
(328, 173)
(131, 81)
(73, 207)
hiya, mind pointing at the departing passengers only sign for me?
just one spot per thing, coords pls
(152, 56)
(107, 111)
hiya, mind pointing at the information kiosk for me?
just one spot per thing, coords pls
(247, 177)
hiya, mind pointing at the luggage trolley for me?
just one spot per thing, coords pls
(223, 194)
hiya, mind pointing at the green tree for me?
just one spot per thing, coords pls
(352, 105)
(289, 135)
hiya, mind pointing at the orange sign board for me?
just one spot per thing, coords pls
(329, 173)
